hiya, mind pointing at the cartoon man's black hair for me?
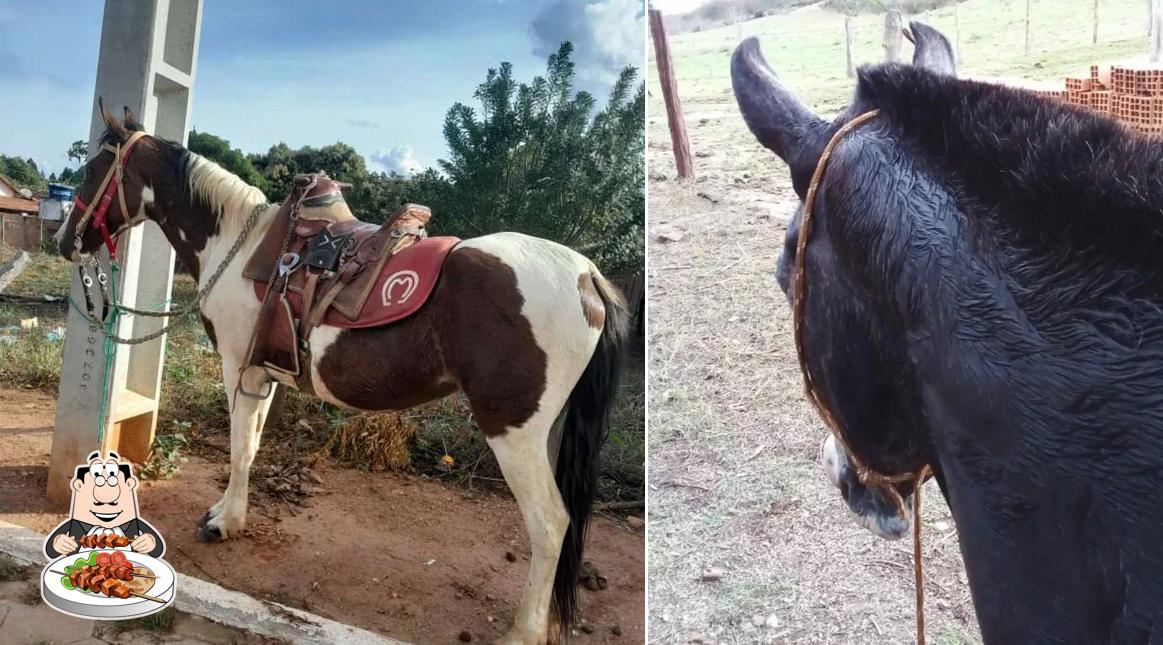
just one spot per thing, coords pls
(83, 469)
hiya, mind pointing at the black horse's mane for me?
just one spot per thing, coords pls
(1040, 168)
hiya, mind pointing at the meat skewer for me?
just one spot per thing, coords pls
(117, 572)
(94, 580)
(107, 541)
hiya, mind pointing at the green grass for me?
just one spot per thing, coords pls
(47, 274)
(806, 48)
(160, 623)
(30, 360)
(10, 570)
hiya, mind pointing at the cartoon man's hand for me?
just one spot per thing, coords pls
(63, 544)
(143, 543)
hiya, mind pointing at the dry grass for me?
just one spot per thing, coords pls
(374, 441)
(735, 482)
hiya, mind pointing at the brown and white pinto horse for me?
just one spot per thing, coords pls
(528, 329)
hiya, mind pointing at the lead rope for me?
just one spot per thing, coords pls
(866, 475)
(108, 328)
(918, 572)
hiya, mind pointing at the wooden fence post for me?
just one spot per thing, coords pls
(674, 118)
(1094, 33)
(957, 31)
(893, 31)
(849, 33)
(1027, 27)
(1156, 45)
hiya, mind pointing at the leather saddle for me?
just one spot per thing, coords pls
(318, 264)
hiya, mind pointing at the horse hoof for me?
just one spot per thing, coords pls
(205, 518)
(208, 534)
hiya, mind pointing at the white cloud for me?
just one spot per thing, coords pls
(607, 35)
(399, 160)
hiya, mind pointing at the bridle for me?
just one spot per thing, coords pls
(868, 476)
(98, 210)
(95, 216)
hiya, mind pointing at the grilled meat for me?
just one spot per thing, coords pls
(106, 579)
(107, 541)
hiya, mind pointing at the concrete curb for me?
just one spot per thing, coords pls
(220, 605)
(13, 268)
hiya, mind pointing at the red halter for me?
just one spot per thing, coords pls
(108, 188)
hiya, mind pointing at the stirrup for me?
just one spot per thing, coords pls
(262, 394)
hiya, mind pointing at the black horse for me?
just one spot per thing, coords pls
(985, 294)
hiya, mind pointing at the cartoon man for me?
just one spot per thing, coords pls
(104, 501)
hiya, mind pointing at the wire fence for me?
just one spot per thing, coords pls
(807, 46)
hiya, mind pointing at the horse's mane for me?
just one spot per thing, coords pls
(223, 192)
(225, 195)
(1038, 168)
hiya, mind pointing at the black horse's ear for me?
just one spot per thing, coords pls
(131, 122)
(932, 50)
(111, 121)
(777, 118)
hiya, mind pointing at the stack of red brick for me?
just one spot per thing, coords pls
(1131, 93)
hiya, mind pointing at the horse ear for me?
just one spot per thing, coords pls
(932, 50)
(111, 121)
(777, 118)
(131, 122)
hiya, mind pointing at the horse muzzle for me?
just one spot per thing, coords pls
(869, 506)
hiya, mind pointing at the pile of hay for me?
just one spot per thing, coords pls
(375, 441)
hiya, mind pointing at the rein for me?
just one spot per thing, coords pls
(95, 215)
(868, 476)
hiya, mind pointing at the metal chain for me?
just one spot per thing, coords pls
(247, 228)
(214, 277)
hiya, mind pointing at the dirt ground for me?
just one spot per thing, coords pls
(735, 479)
(396, 554)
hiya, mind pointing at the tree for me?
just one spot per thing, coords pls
(533, 160)
(79, 151)
(219, 151)
(23, 172)
(72, 177)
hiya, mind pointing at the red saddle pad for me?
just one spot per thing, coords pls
(403, 286)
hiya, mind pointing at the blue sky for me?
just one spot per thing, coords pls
(378, 75)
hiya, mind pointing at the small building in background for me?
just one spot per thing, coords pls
(18, 201)
(57, 203)
(20, 224)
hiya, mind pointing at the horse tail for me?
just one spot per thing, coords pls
(586, 421)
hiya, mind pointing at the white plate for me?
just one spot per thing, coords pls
(90, 605)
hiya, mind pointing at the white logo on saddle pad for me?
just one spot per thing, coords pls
(409, 280)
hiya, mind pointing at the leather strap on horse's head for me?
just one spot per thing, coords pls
(96, 212)
(868, 476)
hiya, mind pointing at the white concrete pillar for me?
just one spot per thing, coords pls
(147, 61)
